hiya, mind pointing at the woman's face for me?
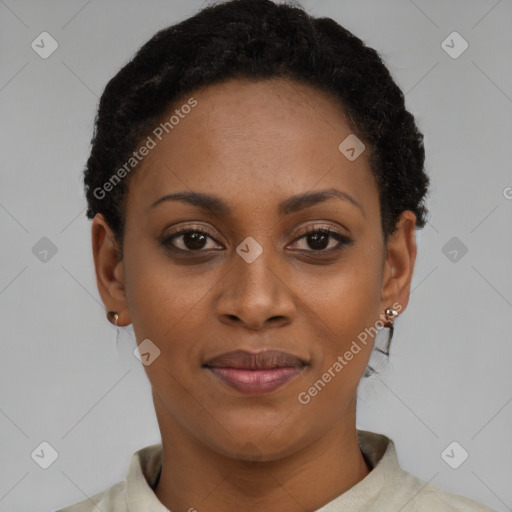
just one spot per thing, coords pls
(264, 156)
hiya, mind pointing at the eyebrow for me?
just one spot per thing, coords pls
(216, 205)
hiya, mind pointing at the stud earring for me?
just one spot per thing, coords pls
(391, 314)
(113, 315)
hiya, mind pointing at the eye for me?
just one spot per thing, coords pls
(319, 238)
(192, 240)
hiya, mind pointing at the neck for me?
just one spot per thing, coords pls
(194, 476)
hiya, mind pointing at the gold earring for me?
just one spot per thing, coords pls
(114, 315)
(391, 314)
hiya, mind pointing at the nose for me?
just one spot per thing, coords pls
(256, 295)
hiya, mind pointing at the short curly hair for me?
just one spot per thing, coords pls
(257, 40)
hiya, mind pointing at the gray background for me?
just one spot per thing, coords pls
(63, 377)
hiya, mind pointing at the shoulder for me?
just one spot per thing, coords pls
(417, 495)
(390, 488)
(135, 489)
(110, 500)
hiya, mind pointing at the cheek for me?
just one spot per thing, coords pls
(162, 307)
(166, 308)
(345, 310)
(346, 307)
(160, 296)
(348, 299)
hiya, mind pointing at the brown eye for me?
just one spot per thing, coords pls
(190, 240)
(318, 240)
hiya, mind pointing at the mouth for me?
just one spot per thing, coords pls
(255, 373)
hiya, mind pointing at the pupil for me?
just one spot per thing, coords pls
(315, 239)
(196, 238)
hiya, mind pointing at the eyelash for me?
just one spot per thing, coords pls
(323, 230)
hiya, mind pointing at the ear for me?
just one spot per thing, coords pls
(109, 269)
(401, 252)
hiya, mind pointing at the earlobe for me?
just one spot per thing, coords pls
(109, 269)
(401, 252)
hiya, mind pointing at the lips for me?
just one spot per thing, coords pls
(255, 373)
(267, 360)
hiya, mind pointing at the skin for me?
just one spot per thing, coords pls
(254, 144)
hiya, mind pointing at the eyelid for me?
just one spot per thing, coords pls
(317, 227)
(190, 227)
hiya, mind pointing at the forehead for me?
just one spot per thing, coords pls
(260, 140)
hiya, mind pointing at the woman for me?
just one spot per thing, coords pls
(254, 185)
